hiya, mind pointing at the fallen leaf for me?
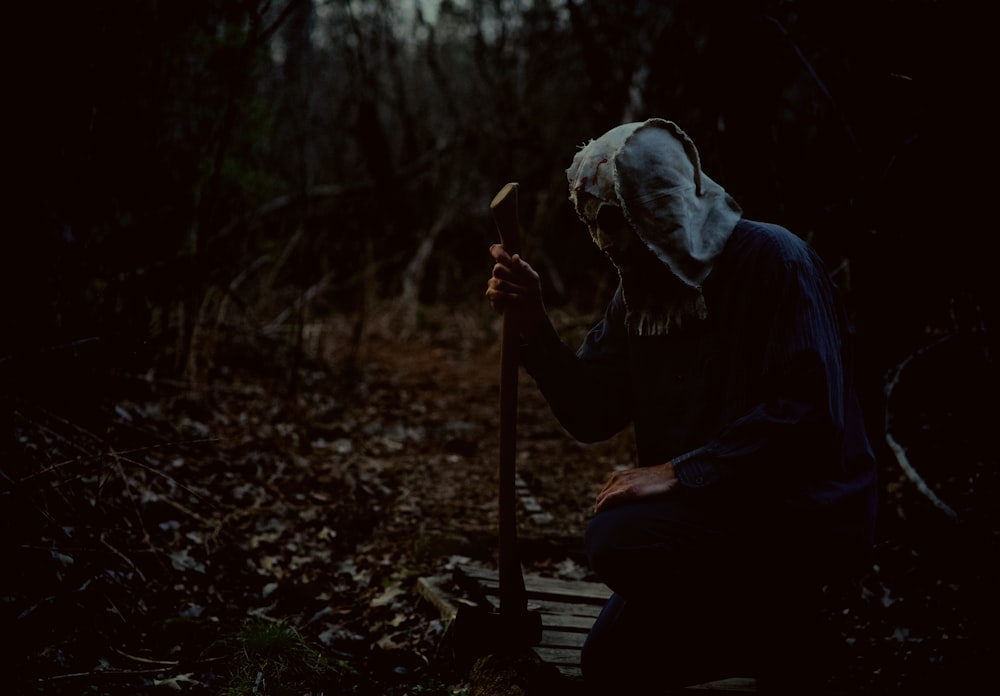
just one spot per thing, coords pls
(390, 593)
(177, 682)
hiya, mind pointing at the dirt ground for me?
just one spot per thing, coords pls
(144, 531)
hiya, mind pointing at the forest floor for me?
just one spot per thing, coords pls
(261, 529)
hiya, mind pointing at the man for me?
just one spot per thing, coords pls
(726, 347)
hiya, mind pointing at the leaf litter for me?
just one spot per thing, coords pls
(159, 527)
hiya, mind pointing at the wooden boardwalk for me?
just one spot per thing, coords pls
(568, 610)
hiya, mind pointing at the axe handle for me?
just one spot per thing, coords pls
(513, 597)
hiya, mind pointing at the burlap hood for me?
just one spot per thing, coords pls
(652, 171)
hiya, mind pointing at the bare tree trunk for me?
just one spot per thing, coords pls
(407, 304)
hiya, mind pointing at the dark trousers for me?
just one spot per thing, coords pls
(704, 589)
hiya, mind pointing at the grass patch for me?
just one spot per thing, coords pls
(273, 659)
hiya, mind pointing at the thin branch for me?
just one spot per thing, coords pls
(122, 556)
(101, 674)
(191, 513)
(314, 290)
(146, 660)
(127, 488)
(898, 450)
(824, 90)
(165, 666)
(267, 32)
(113, 453)
(168, 477)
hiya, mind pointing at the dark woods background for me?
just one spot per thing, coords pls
(224, 161)
(202, 182)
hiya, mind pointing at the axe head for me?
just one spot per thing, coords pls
(504, 209)
(478, 631)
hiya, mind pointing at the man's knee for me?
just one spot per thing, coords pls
(617, 542)
(600, 540)
(645, 543)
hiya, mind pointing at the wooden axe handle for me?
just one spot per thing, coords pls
(513, 597)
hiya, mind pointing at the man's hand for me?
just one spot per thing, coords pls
(635, 484)
(516, 287)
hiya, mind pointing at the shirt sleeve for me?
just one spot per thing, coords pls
(793, 430)
(587, 390)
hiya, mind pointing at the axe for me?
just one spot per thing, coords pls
(513, 627)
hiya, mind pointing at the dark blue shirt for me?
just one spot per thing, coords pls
(758, 396)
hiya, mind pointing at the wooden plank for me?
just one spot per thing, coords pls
(585, 613)
(568, 623)
(568, 611)
(557, 616)
(530, 504)
(431, 589)
(594, 591)
(558, 656)
(548, 588)
(742, 685)
(562, 639)
(570, 671)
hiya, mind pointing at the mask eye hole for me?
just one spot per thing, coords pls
(612, 221)
(610, 230)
